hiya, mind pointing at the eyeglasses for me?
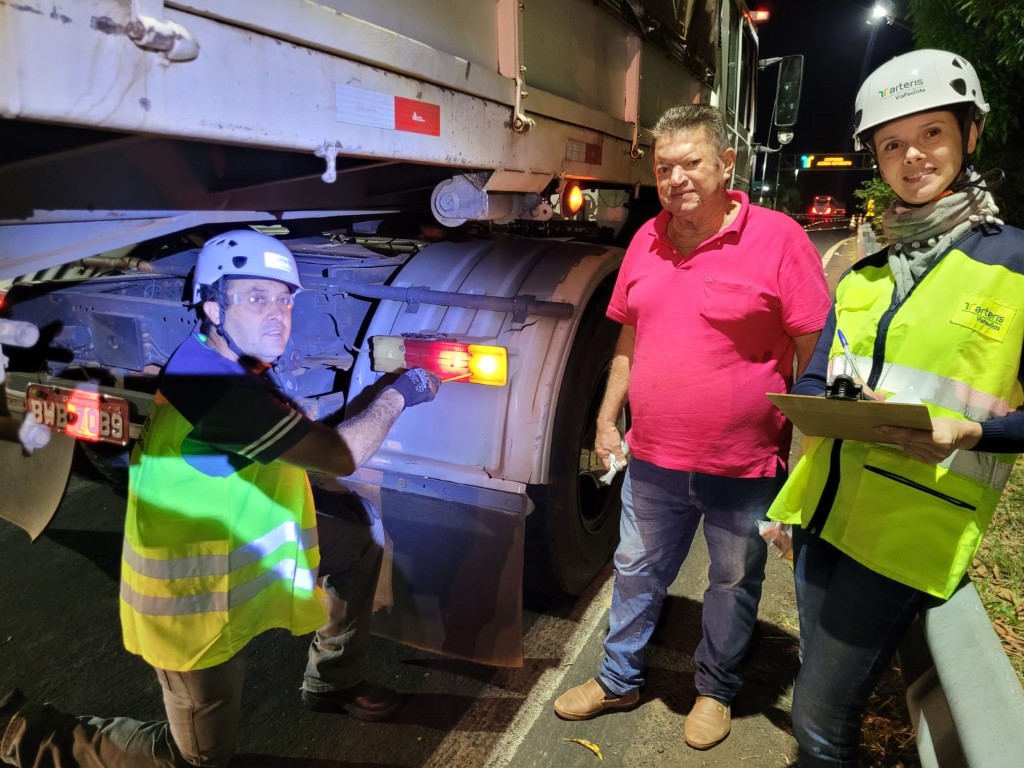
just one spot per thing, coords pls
(262, 302)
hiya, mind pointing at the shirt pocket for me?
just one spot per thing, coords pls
(723, 303)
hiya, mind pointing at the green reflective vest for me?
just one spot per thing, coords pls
(956, 339)
(208, 562)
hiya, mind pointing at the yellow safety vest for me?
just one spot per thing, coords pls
(208, 562)
(957, 340)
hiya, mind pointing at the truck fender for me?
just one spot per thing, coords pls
(494, 437)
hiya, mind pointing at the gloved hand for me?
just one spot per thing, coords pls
(416, 386)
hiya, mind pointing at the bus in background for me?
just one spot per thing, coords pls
(826, 207)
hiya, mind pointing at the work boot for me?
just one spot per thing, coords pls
(364, 701)
(585, 701)
(707, 724)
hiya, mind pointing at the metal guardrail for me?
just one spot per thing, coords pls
(966, 703)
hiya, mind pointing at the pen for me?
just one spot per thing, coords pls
(849, 357)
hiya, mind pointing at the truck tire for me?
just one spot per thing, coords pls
(574, 528)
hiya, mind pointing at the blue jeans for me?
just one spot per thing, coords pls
(851, 622)
(661, 509)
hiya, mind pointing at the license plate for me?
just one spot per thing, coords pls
(82, 414)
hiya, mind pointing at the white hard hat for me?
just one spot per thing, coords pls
(919, 81)
(244, 253)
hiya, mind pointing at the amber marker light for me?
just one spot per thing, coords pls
(571, 199)
(451, 360)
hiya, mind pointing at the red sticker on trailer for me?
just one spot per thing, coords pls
(417, 116)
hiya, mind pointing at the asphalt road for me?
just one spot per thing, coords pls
(60, 642)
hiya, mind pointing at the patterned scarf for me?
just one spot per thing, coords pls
(919, 237)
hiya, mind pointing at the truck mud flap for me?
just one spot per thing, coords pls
(452, 581)
(34, 485)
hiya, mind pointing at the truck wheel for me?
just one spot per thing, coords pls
(110, 461)
(574, 527)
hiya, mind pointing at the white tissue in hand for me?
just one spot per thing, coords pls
(616, 465)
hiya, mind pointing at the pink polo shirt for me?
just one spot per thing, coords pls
(714, 333)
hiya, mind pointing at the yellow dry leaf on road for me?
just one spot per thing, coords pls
(589, 745)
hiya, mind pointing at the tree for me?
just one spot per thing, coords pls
(875, 195)
(990, 34)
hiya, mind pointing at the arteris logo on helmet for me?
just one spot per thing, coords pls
(902, 90)
(273, 260)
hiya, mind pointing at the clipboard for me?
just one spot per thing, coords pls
(849, 419)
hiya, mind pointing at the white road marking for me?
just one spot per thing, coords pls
(536, 703)
(832, 252)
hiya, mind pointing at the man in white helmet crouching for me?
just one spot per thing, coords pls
(222, 538)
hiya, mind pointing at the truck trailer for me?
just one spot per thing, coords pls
(456, 179)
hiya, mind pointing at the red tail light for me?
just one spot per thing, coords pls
(451, 360)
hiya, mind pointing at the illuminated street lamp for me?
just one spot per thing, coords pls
(885, 9)
(882, 10)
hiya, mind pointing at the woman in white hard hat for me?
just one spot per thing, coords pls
(883, 529)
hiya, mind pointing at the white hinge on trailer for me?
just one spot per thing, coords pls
(150, 31)
(510, 59)
(329, 152)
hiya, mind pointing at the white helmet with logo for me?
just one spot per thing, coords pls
(919, 81)
(244, 253)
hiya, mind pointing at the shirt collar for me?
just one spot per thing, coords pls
(735, 227)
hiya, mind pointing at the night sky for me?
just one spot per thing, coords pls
(839, 50)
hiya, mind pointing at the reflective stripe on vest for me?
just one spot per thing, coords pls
(989, 469)
(220, 565)
(218, 601)
(944, 392)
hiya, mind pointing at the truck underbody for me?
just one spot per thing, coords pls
(136, 129)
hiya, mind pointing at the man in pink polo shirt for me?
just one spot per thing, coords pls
(716, 298)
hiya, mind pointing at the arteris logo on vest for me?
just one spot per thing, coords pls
(987, 317)
(902, 90)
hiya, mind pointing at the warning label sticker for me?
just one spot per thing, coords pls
(360, 106)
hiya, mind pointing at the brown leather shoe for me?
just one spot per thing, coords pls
(585, 701)
(364, 701)
(707, 724)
